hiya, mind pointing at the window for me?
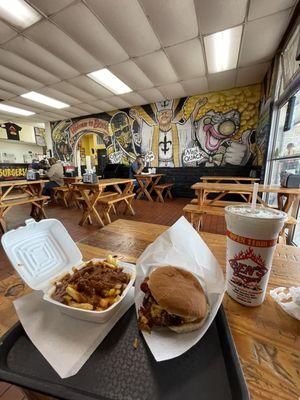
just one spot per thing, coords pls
(285, 158)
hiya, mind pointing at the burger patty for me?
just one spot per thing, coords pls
(151, 314)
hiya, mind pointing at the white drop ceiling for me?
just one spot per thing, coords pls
(154, 46)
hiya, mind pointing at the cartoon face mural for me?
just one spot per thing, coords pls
(213, 135)
(214, 129)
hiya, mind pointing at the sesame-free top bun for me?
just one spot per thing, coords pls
(178, 292)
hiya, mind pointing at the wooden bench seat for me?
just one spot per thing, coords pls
(108, 202)
(37, 209)
(60, 194)
(160, 188)
(219, 203)
(8, 202)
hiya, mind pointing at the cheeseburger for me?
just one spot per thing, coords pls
(173, 298)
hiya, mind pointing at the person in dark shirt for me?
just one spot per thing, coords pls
(136, 167)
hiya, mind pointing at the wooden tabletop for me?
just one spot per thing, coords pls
(243, 187)
(229, 178)
(266, 338)
(148, 175)
(104, 182)
(20, 182)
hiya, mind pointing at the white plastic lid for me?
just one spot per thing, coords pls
(41, 251)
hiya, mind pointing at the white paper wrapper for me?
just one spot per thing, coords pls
(180, 246)
(288, 299)
(60, 337)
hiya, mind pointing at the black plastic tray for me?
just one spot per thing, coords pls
(116, 371)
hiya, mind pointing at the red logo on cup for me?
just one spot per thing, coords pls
(248, 267)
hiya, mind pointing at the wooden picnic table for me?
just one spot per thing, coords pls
(31, 193)
(91, 193)
(146, 181)
(235, 179)
(204, 189)
(267, 339)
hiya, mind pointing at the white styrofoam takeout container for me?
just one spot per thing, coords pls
(41, 252)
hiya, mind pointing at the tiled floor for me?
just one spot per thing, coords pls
(157, 213)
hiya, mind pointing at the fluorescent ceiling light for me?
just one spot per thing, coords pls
(222, 49)
(109, 81)
(40, 98)
(15, 110)
(18, 13)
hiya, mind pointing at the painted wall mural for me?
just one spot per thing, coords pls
(213, 129)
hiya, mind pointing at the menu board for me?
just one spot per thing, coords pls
(9, 172)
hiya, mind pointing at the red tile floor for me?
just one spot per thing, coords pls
(156, 213)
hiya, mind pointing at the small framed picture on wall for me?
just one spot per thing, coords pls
(40, 136)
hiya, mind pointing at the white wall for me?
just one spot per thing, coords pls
(18, 148)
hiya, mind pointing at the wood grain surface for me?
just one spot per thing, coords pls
(266, 338)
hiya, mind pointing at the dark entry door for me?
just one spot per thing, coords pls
(102, 160)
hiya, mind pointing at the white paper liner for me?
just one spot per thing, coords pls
(183, 247)
(65, 342)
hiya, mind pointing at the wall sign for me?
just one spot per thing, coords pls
(10, 172)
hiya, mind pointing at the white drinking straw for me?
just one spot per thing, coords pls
(254, 196)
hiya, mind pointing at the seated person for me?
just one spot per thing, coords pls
(55, 175)
(136, 168)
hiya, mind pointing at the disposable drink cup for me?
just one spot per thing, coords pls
(251, 240)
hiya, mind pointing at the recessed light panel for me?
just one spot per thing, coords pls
(48, 101)
(18, 13)
(15, 110)
(110, 81)
(222, 49)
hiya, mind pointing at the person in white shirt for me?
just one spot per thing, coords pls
(55, 175)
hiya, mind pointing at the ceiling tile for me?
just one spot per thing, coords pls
(187, 59)
(88, 108)
(41, 57)
(251, 75)
(128, 24)
(132, 75)
(172, 90)
(134, 99)
(195, 86)
(11, 87)
(174, 21)
(55, 94)
(57, 42)
(90, 34)
(6, 95)
(73, 91)
(222, 80)
(152, 95)
(266, 32)
(18, 79)
(157, 67)
(18, 64)
(6, 32)
(103, 105)
(90, 86)
(118, 102)
(56, 116)
(261, 8)
(217, 15)
(50, 7)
